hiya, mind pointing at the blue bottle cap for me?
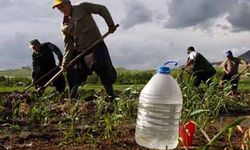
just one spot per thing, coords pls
(164, 70)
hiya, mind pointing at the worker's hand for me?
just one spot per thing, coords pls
(66, 20)
(112, 28)
(40, 90)
(63, 68)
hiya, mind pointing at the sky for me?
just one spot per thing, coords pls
(151, 32)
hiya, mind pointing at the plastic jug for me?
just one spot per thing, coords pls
(160, 105)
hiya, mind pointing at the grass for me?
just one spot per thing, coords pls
(11, 89)
(86, 87)
(116, 87)
(244, 84)
(23, 72)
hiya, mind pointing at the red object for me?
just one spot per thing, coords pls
(187, 133)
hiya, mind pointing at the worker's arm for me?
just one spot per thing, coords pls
(102, 11)
(68, 51)
(189, 63)
(225, 67)
(35, 68)
(57, 51)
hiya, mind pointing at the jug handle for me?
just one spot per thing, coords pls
(171, 62)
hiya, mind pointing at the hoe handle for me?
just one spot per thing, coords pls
(39, 79)
(240, 73)
(78, 57)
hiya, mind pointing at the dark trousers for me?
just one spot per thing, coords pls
(234, 82)
(203, 76)
(98, 60)
(58, 83)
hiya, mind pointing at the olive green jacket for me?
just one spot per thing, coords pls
(81, 31)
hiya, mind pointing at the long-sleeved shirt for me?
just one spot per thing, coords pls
(81, 30)
(43, 60)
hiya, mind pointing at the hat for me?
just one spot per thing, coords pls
(34, 42)
(58, 2)
(229, 53)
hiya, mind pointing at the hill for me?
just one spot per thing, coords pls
(245, 56)
(22, 72)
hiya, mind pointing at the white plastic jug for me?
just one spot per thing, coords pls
(160, 105)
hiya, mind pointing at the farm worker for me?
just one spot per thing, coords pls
(201, 68)
(231, 67)
(43, 62)
(80, 31)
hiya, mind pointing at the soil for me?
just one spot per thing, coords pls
(50, 137)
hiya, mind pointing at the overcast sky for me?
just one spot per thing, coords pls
(150, 33)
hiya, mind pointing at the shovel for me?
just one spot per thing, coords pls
(78, 57)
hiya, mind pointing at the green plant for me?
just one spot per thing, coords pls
(74, 116)
(109, 123)
(39, 114)
(225, 128)
(15, 128)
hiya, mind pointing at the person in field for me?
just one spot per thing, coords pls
(230, 68)
(43, 62)
(80, 31)
(200, 68)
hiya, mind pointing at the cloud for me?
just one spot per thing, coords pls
(5, 3)
(14, 51)
(239, 16)
(142, 41)
(204, 13)
(188, 13)
(136, 13)
(25, 10)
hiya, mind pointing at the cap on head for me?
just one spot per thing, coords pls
(229, 53)
(58, 2)
(34, 42)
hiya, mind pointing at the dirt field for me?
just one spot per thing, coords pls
(20, 134)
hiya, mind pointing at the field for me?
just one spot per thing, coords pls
(30, 121)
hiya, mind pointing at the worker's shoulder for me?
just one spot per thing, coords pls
(88, 5)
(82, 4)
(45, 43)
(48, 44)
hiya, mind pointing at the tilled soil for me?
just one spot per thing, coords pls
(50, 137)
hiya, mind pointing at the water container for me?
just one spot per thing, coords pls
(160, 104)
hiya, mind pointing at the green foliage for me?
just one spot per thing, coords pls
(14, 81)
(126, 77)
(38, 114)
(225, 128)
(22, 72)
(134, 77)
(15, 128)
